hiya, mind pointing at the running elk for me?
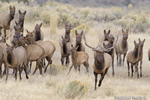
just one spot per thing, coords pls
(102, 62)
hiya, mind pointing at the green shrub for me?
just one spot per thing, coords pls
(75, 89)
(55, 69)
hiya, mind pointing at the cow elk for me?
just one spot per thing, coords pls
(121, 46)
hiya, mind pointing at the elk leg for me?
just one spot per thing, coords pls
(37, 64)
(30, 66)
(79, 69)
(117, 58)
(136, 66)
(113, 73)
(16, 73)
(70, 69)
(87, 66)
(40, 68)
(95, 74)
(141, 68)
(67, 60)
(25, 70)
(120, 60)
(132, 70)
(43, 60)
(20, 70)
(0, 31)
(124, 58)
(46, 67)
(5, 32)
(102, 77)
(0, 69)
(7, 73)
(62, 60)
(128, 68)
(4, 72)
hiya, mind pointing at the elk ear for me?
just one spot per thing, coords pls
(143, 40)
(16, 23)
(123, 31)
(76, 32)
(24, 12)
(36, 25)
(15, 27)
(134, 42)
(19, 12)
(109, 32)
(40, 25)
(10, 7)
(27, 31)
(139, 39)
(14, 7)
(81, 33)
(104, 31)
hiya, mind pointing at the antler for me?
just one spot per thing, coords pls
(86, 43)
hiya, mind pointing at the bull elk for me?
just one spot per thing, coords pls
(102, 61)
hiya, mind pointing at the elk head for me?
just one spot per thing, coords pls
(68, 29)
(38, 28)
(106, 35)
(141, 42)
(12, 11)
(78, 36)
(125, 34)
(21, 16)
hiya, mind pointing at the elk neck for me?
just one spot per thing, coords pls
(67, 37)
(10, 19)
(65, 48)
(99, 61)
(141, 51)
(135, 52)
(124, 43)
(37, 36)
(79, 46)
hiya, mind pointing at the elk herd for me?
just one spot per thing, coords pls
(24, 49)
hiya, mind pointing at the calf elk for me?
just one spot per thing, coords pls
(79, 58)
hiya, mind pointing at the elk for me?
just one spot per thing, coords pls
(121, 46)
(133, 58)
(65, 43)
(102, 61)
(78, 42)
(48, 47)
(110, 43)
(6, 18)
(141, 44)
(19, 21)
(34, 53)
(16, 32)
(79, 58)
(15, 58)
(38, 34)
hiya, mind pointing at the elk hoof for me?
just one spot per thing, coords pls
(27, 77)
(141, 75)
(99, 84)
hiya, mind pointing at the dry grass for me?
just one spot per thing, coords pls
(52, 87)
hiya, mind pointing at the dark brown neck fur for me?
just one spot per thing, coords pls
(99, 63)
(9, 58)
(79, 46)
(124, 44)
(135, 52)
